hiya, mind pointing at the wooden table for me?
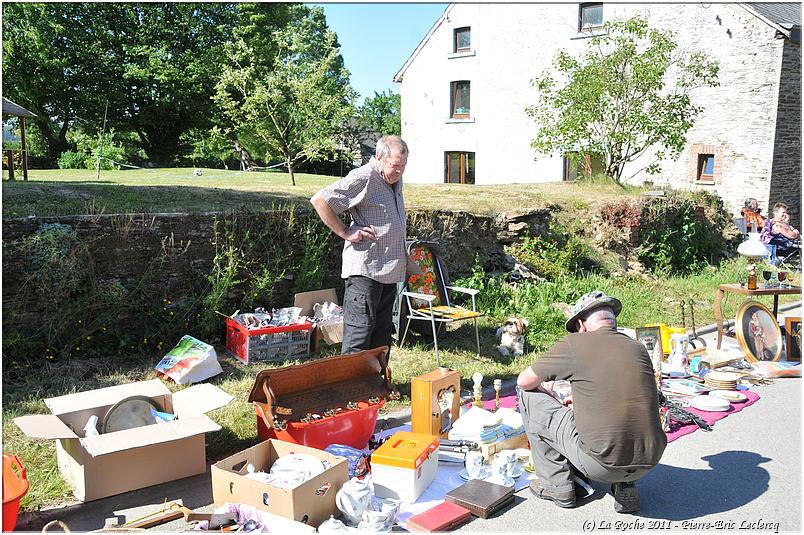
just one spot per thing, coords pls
(742, 290)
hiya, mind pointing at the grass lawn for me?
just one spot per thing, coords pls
(72, 191)
(57, 192)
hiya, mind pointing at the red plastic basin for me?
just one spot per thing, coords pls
(15, 486)
(351, 428)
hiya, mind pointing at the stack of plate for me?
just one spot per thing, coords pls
(721, 380)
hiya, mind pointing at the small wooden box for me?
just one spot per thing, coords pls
(427, 415)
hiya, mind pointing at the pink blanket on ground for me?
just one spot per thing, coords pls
(679, 430)
(676, 430)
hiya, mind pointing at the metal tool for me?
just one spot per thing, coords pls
(695, 337)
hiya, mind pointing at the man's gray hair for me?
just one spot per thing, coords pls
(388, 143)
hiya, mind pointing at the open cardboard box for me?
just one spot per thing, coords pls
(312, 502)
(111, 463)
(330, 333)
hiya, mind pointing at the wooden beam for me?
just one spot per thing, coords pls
(24, 150)
(10, 157)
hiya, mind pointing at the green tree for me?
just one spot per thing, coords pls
(50, 65)
(381, 114)
(155, 63)
(628, 93)
(286, 95)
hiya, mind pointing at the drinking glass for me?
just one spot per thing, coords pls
(767, 276)
(782, 275)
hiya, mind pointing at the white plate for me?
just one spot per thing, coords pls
(729, 395)
(709, 404)
(484, 473)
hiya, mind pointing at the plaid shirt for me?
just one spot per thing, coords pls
(372, 202)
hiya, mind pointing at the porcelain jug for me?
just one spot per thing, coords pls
(333, 525)
(353, 500)
(679, 345)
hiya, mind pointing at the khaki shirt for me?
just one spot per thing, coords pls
(372, 202)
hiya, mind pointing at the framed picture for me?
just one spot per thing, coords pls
(758, 332)
(792, 329)
(650, 337)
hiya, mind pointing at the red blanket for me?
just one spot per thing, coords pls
(676, 430)
(679, 430)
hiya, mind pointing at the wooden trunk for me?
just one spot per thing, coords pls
(333, 400)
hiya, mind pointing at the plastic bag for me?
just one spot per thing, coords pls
(358, 459)
(190, 361)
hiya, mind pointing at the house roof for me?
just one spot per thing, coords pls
(783, 16)
(11, 108)
(400, 74)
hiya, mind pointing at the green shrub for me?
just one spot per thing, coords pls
(555, 255)
(72, 160)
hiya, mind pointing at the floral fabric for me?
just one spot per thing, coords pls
(427, 281)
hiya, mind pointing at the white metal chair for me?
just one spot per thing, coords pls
(427, 295)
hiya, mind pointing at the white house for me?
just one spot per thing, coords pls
(466, 87)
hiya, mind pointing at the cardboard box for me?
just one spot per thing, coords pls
(404, 466)
(111, 463)
(330, 333)
(312, 502)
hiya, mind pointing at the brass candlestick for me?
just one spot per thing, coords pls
(497, 388)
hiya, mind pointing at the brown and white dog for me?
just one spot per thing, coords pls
(511, 336)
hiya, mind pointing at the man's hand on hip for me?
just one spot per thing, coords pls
(356, 234)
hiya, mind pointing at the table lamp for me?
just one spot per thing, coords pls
(753, 249)
(477, 379)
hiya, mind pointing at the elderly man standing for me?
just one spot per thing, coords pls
(612, 433)
(374, 256)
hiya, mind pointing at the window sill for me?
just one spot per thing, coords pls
(597, 32)
(705, 182)
(452, 120)
(466, 54)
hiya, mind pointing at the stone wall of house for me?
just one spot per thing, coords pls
(786, 173)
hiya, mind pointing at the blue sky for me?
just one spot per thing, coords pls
(377, 39)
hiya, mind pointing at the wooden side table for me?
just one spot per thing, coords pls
(737, 289)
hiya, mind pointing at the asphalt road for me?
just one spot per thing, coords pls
(745, 474)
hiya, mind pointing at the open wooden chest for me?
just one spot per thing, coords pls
(333, 400)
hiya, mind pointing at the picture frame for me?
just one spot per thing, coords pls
(792, 330)
(758, 332)
(650, 337)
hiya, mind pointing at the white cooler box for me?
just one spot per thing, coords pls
(404, 466)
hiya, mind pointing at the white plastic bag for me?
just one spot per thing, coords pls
(190, 361)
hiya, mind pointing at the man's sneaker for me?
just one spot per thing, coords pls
(564, 499)
(626, 497)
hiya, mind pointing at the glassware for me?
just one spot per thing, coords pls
(767, 275)
(782, 275)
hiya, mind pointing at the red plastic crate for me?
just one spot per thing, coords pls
(268, 343)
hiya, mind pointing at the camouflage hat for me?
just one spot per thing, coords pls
(587, 303)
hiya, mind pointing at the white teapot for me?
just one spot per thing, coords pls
(353, 500)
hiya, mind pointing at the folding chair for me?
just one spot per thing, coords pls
(427, 295)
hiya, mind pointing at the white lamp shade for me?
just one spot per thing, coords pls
(753, 247)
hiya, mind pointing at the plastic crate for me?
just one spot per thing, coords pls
(268, 343)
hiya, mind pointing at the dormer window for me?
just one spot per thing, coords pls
(462, 41)
(590, 16)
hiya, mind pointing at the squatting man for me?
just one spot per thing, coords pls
(612, 433)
